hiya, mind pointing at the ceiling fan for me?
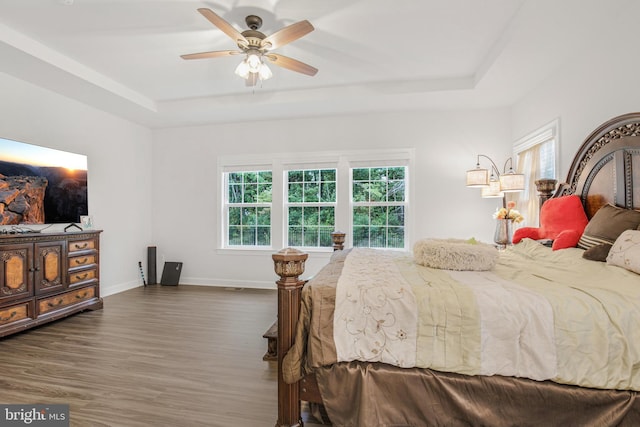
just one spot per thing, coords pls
(257, 46)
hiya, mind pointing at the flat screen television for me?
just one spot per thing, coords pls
(40, 185)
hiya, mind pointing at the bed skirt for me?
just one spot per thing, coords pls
(421, 397)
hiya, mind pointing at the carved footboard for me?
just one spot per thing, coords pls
(289, 264)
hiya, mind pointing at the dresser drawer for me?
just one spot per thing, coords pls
(82, 261)
(47, 276)
(82, 276)
(65, 300)
(82, 245)
(15, 313)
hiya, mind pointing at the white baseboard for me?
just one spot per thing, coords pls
(105, 291)
(228, 283)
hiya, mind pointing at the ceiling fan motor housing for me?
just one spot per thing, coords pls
(254, 22)
(253, 36)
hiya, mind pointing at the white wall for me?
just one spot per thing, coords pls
(119, 169)
(596, 84)
(186, 185)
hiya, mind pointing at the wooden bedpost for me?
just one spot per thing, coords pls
(338, 240)
(545, 188)
(289, 265)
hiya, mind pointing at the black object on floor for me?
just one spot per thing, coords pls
(171, 273)
(151, 265)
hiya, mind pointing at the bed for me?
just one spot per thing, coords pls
(567, 352)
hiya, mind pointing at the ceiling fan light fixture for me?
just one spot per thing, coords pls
(249, 66)
(254, 61)
(265, 72)
(243, 69)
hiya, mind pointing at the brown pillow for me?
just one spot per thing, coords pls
(607, 224)
(597, 252)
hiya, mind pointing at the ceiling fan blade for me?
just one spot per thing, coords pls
(291, 64)
(223, 25)
(212, 54)
(287, 35)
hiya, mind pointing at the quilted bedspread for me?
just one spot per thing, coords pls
(540, 314)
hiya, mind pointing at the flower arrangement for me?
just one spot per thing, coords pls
(509, 213)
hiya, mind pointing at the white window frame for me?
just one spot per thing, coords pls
(288, 205)
(343, 161)
(550, 132)
(404, 204)
(227, 205)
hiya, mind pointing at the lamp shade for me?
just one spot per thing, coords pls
(510, 182)
(478, 177)
(493, 190)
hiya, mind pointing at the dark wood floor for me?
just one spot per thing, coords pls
(160, 355)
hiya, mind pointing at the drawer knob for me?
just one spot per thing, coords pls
(82, 277)
(81, 261)
(58, 302)
(81, 246)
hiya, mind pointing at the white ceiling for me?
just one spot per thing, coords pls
(123, 56)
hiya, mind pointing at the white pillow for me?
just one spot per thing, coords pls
(455, 254)
(625, 252)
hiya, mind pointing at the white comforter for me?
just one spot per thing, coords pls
(539, 314)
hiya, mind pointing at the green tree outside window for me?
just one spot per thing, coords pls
(249, 196)
(311, 200)
(378, 196)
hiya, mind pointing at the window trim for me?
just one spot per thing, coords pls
(369, 204)
(543, 134)
(226, 204)
(287, 205)
(546, 133)
(343, 161)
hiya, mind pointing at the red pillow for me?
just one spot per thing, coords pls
(562, 219)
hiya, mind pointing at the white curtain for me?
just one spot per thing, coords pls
(528, 200)
(536, 159)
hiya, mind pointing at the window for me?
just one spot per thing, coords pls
(378, 198)
(536, 156)
(299, 199)
(248, 208)
(311, 212)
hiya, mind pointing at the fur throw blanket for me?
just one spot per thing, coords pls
(455, 254)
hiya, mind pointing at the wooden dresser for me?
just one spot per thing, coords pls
(47, 276)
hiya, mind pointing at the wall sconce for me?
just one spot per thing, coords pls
(493, 183)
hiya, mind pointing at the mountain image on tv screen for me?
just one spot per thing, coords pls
(40, 185)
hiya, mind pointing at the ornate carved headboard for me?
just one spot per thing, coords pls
(602, 171)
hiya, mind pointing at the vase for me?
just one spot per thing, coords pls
(502, 236)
